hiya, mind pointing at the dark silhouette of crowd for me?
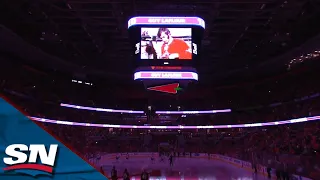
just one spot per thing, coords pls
(292, 147)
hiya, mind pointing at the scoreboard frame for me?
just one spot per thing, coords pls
(164, 20)
(135, 24)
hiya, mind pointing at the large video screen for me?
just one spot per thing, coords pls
(166, 43)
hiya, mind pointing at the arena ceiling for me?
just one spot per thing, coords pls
(239, 35)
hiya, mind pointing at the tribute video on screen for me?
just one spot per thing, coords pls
(166, 43)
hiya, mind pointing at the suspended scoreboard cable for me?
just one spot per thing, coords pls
(165, 49)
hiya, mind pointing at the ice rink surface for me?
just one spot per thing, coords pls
(183, 169)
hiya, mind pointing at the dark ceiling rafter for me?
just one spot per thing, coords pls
(64, 36)
(247, 21)
(236, 30)
(85, 24)
(96, 40)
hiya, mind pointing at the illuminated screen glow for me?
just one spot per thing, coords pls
(165, 75)
(166, 43)
(142, 112)
(184, 21)
(292, 121)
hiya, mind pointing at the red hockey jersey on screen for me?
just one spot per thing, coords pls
(180, 47)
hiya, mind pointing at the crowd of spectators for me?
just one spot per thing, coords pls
(297, 145)
(301, 107)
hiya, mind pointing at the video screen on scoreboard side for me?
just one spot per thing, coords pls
(166, 43)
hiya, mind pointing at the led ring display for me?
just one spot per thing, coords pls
(292, 121)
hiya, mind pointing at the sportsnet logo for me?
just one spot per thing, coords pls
(19, 158)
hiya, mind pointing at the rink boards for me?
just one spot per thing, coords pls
(111, 158)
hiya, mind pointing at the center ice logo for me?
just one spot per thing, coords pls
(19, 159)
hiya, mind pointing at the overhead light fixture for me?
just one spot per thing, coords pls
(81, 82)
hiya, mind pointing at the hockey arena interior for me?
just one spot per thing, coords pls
(192, 90)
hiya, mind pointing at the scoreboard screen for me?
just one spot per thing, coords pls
(165, 49)
(166, 43)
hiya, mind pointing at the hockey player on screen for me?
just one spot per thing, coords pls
(173, 48)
